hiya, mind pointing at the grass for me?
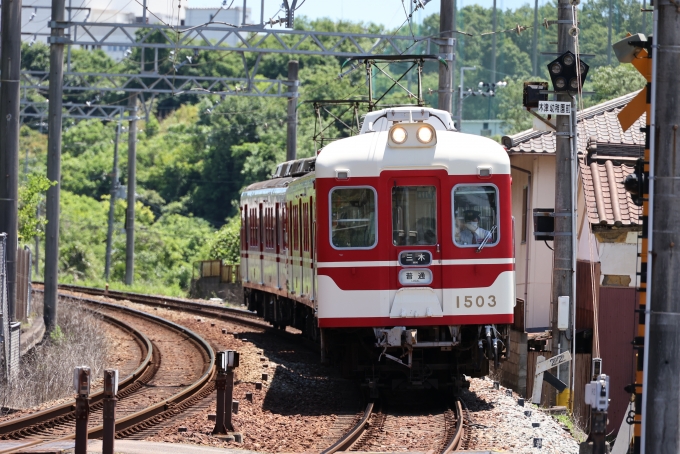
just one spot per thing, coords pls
(46, 373)
(137, 287)
(571, 424)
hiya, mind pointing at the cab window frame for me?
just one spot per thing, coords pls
(330, 218)
(453, 215)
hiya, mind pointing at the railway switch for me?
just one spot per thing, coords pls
(225, 361)
(109, 410)
(81, 383)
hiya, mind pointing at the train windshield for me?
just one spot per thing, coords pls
(475, 215)
(414, 215)
(353, 218)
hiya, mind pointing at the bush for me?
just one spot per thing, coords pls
(46, 373)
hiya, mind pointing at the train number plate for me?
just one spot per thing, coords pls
(415, 277)
(415, 258)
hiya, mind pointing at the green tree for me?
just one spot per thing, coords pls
(225, 244)
(609, 82)
(30, 195)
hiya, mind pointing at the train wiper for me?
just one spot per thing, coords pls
(486, 239)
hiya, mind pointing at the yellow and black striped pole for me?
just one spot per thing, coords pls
(640, 194)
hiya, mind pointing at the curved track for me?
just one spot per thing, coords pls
(147, 397)
(369, 431)
(241, 316)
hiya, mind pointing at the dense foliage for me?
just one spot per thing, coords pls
(196, 152)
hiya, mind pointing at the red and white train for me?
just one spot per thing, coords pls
(394, 247)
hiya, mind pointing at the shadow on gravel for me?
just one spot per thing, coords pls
(475, 403)
(299, 384)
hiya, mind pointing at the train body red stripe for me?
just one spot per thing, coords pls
(367, 322)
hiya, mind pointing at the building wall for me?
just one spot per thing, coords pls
(618, 255)
(488, 128)
(542, 195)
(617, 328)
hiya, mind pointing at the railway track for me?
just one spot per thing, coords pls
(174, 358)
(440, 432)
(240, 316)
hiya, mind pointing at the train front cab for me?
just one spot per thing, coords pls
(401, 276)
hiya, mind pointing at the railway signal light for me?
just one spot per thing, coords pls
(532, 94)
(567, 72)
(636, 183)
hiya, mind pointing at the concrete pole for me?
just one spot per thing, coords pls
(54, 164)
(446, 25)
(291, 131)
(562, 256)
(609, 34)
(534, 56)
(36, 261)
(132, 187)
(454, 51)
(112, 205)
(662, 419)
(10, 65)
(492, 80)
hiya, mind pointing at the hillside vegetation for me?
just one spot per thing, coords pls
(196, 152)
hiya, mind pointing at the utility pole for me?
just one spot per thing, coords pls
(291, 130)
(461, 95)
(54, 163)
(534, 56)
(446, 26)
(563, 245)
(10, 65)
(132, 187)
(112, 206)
(36, 256)
(661, 423)
(493, 56)
(609, 34)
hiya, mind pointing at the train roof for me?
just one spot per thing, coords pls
(382, 120)
(368, 154)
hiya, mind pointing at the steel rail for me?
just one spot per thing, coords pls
(347, 440)
(455, 441)
(156, 409)
(45, 416)
(229, 313)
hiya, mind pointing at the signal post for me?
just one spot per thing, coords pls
(661, 396)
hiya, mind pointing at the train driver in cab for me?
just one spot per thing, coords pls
(472, 233)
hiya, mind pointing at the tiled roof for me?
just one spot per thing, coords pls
(598, 121)
(607, 155)
(602, 185)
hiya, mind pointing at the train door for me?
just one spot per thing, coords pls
(277, 245)
(290, 252)
(415, 247)
(312, 249)
(261, 232)
(300, 237)
(244, 243)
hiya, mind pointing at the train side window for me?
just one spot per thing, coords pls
(353, 218)
(475, 215)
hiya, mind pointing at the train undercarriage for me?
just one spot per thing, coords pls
(395, 357)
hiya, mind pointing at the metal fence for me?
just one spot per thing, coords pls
(4, 309)
(10, 332)
(228, 274)
(23, 301)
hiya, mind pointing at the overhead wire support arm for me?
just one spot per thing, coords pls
(192, 37)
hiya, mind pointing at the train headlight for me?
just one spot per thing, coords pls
(399, 135)
(425, 134)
